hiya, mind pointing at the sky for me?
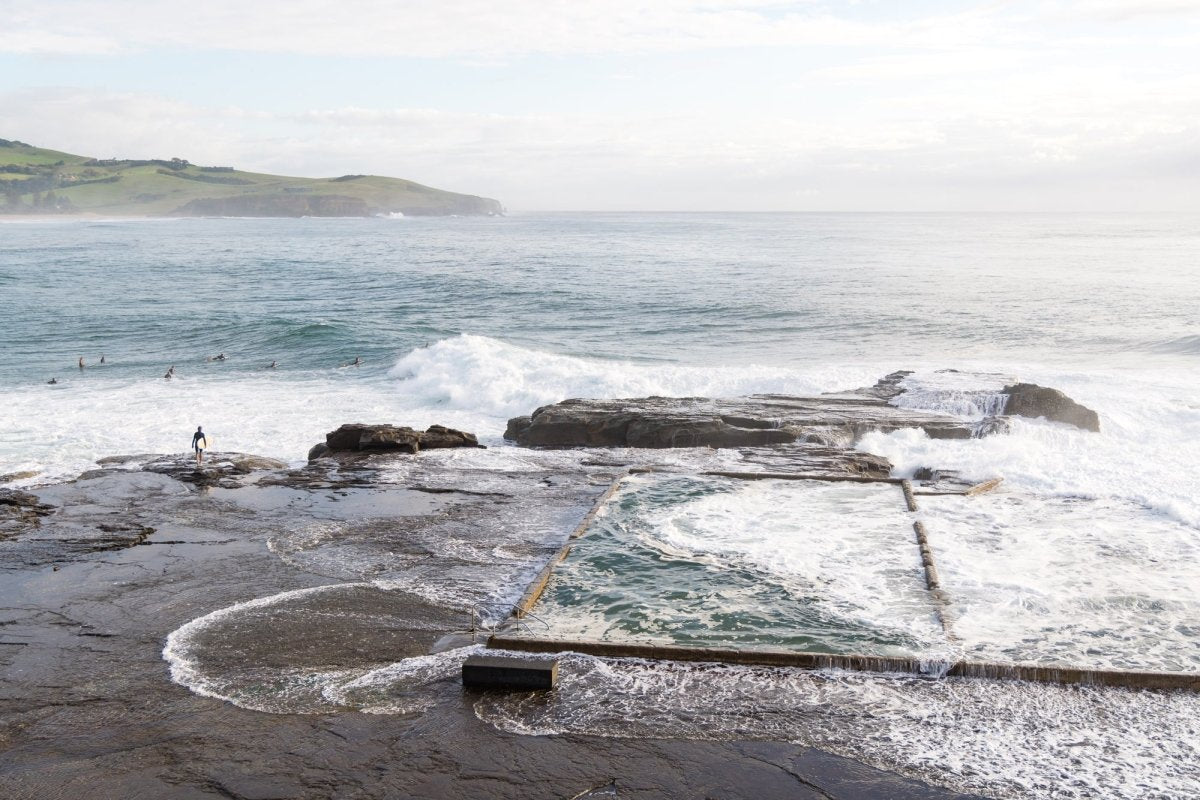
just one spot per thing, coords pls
(684, 105)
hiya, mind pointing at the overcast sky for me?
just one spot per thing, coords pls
(614, 105)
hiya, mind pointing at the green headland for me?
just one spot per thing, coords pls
(34, 180)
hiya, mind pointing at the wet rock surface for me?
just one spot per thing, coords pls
(217, 469)
(835, 420)
(354, 439)
(338, 571)
(21, 511)
(1031, 400)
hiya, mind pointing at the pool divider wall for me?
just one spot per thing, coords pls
(797, 476)
(933, 582)
(1130, 679)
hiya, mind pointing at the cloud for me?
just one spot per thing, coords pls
(1126, 10)
(799, 105)
(653, 161)
(484, 29)
(455, 28)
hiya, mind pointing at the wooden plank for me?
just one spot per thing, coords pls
(986, 486)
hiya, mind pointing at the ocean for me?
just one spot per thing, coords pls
(467, 322)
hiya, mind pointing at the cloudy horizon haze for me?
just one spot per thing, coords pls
(689, 105)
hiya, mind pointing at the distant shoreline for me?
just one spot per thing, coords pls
(36, 181)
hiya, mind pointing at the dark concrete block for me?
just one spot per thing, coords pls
(510, 674)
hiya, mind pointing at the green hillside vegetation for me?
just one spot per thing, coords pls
(34, 180)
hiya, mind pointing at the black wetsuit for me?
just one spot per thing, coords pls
(196, 437)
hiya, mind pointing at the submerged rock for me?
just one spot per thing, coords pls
(1031, 400)
(13, 477)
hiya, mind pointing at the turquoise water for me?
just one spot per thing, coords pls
(800, 565)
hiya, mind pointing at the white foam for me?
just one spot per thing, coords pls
(181, 652)
(969, 395)
(469, 382)
(1003, 740)
(396, 688)
(1068, 581)
(1146, 452)
(402, 687)
(503, 380)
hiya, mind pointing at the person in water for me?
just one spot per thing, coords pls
(102, 358)
(197, 438)
(170, 373)
(52, 381)
(81, 362)
(271, 365)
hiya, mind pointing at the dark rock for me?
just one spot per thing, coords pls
(245, 463)
(115, 461)
(517, 427)
(931, 475)
(1031, 400)
(818, 459)
(357, 438)
(20, 511)
(218, 469)
(889, 386)
(993, 426)
(950, 432)
(832, 420)
(659, 422)
(438, 436)
(24, 502)
(12, 477)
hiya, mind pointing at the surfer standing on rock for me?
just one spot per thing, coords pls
(199, 442)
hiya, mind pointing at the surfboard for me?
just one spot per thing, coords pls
(205, 442)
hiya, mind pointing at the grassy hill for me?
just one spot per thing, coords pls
(34, 180)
